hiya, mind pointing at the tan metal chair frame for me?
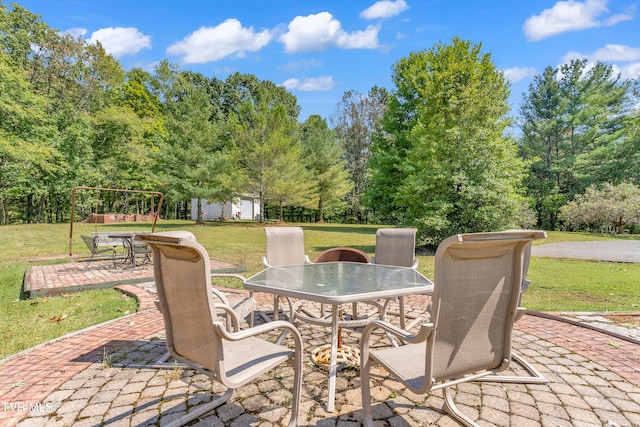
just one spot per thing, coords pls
(478, 278)
(196, 337)
(397, 246)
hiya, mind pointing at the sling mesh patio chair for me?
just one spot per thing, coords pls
(242, 307)
(284, 246)
(197, 337)
(534, 376)
(475, 303)
(397, 246)
(92, 244)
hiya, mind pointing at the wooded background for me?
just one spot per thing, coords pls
(440, 150)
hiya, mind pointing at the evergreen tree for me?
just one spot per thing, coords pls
(324, 158)
(196, 161)
(573, 131)
(266, 138)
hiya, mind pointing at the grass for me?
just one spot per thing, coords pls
(576, 285)
(557, 285)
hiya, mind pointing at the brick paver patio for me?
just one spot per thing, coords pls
(98, 377)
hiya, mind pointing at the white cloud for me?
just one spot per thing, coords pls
(120, 41)
(616, 52)
(319, 31)
(516, 74)
(384, 9)
(76, 32)
(571, 55)
(213, 43)
(624, 59)
(630, 71)
(570, 15)
(310, 84)
(609, 53)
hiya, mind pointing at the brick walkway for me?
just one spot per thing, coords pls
(83, 379)
(57, 278)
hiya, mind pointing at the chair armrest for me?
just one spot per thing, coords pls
(235, 321)
(261, 329)
(416, 261)
(421, 336)
(266, 263)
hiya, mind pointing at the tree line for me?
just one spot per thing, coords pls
(71, 116)
(435, 151)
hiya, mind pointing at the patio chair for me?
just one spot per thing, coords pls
(196, 336)
(474, 305)
(345, 254)
(535, 377)
(140, 252)
(342, 254)
(284, 246)
(96, 250)
(397, 246)
(242, 307)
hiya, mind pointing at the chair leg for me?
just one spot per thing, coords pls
(201, 410)
(297, 364)
(366, 394)
(535, 377)
(451, 409)
(88, 263)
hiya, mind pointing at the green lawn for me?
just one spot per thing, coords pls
(557, 285)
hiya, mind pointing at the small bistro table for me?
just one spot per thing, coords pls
(131, 248)
(336, 283)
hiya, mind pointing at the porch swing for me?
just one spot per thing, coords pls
(101, 238)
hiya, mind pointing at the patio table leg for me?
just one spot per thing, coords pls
(333, 358)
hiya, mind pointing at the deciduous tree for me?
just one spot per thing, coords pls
(355, 121)
(604, 208)
(442, 162)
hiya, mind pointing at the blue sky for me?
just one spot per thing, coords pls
(320, 49)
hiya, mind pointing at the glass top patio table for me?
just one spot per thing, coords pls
(337, 283)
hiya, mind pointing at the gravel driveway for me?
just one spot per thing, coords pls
(606, 250)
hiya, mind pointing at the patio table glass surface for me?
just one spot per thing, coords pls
(336, 283)
(339, 282)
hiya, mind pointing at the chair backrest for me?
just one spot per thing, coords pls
(103, 239)
(90, 242)
(342, 254)
(395, 246)
(183, 282)
(285, 246)
(476, 295)
(525, 264)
